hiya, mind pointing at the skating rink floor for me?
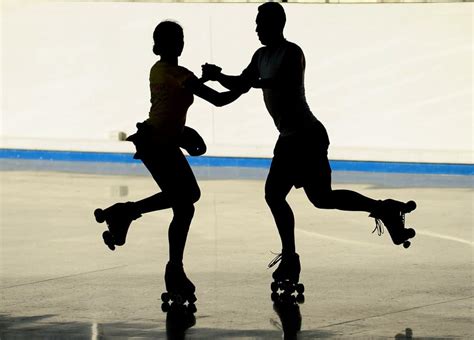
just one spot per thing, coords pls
(59, 281)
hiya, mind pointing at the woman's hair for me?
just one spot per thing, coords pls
(168, 37)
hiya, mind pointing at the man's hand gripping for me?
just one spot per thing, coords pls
(210, 72)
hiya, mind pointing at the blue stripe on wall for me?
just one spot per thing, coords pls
(337, 165)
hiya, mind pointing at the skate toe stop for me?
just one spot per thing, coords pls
(192, 308)
(108, 240)
(99, 215)
(411, 205)
(165, 307)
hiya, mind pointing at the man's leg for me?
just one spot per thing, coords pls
(318, 188)
(339, 199)
(389, 212)
(277, 188)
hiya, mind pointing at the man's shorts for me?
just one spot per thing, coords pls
(301, 158)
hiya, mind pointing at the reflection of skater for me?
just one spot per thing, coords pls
(290, 318)
(178, 321)
(300, 155)
(158, 142)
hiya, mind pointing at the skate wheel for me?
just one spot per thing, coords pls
(178, 299)
(300, 298)
(300, 288)
(99, 215)
(165, 297)
(288, 287)
(274, 297)
(406, 244)
(165, 307)
(274, 286)
(411, 232)
(192, 299)
(108, 240)
(409, 207)
(192, 308)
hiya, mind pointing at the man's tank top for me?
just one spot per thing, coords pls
(286, 103)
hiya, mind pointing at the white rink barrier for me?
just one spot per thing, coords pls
(391, 82)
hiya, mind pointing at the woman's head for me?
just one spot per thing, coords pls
(168, 39)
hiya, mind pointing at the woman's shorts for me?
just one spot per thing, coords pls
(167, 164)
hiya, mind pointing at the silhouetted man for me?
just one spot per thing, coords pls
(300, 155)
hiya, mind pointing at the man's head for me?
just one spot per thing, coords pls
(169, 39)
(270, 21)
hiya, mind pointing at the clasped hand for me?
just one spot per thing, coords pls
(210, 72)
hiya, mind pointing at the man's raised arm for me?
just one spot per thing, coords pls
(233, 83)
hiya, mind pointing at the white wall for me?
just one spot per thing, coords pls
(390, 81)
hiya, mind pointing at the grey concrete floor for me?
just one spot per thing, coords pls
(58, 280)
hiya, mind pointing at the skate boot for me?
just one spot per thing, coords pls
(391, 213)
(285, 286)
(118, 217)
(179, 296)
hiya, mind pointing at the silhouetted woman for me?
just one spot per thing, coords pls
(158, 141)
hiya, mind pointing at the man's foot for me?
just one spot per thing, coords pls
(391, 213)
(286, 279)
(289, 267)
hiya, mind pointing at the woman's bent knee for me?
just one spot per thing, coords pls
(195, 195)
(274, 200)
(185, 196)
(183, 210)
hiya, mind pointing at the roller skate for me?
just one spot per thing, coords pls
(118, 217)
(179, 296)
(391, 213)
(285, 288)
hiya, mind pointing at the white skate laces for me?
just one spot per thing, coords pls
(275, 260)
(378, 227)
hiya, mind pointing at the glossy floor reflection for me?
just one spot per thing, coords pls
(58, 280)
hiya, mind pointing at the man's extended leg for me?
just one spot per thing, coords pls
(390, 212)
(318, 187)
(347, 200)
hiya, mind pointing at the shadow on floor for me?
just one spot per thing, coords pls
(35, 327)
